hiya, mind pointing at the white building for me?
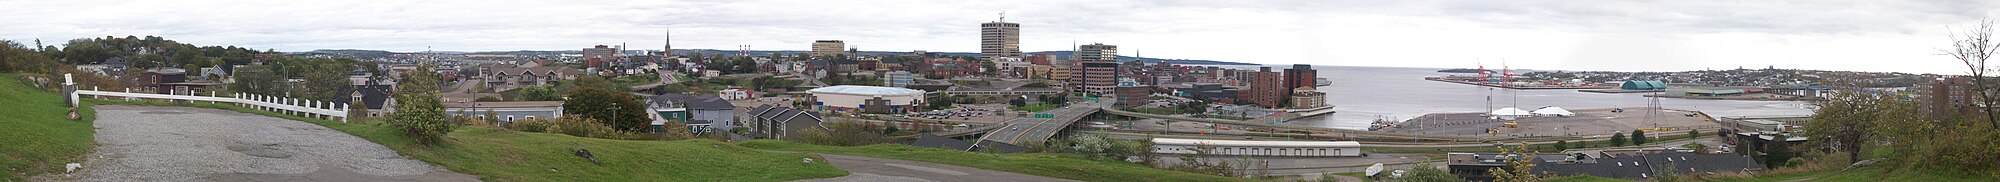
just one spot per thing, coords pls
(1259, 148)
(855, 97)
(898, 79)
(736, 94)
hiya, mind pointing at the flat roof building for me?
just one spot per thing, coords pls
(823, 48)
(999, 39)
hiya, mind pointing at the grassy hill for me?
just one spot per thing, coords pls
(1041, 164)
(36, 135)
(500, 155)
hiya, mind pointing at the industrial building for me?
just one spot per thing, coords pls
(1259, 148)
(1642, 85)
(855, 98)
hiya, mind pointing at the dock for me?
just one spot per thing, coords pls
(1618, 91)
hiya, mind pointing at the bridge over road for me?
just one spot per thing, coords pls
(1031, 130)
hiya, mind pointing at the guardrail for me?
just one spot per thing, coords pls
(289, 106)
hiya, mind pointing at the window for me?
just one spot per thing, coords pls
(510, 117)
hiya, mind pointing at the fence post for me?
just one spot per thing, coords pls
(343, 109)
(128, 90)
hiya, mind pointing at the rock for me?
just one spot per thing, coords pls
(73, 166)
(1860, 164)
(807, 160)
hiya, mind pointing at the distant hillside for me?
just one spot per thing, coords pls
(1057, 54)
(349, 51)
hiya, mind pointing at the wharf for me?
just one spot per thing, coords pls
(1616, 91)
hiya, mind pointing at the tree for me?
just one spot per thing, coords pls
(1845, 122)
(359, 111)
(1694, 133)
(1777, 152)
(537, 93)
(1618, 139)
(1424, 172)
(491, 116)
(615, 109)
(1518, 169)
(324, 77)
(1017, 102)
(419, 113)
(1638, 137)
(1973, 48)
(1562, 145)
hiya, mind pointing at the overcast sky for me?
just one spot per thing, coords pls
(1875, 35)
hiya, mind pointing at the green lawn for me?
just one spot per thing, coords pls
(1037, 107)
(500, 155)
(36, 135)
(1064, 166)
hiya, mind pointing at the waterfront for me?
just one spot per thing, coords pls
(1360, 94)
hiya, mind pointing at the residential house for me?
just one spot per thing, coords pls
(701, 113)
(781, 122)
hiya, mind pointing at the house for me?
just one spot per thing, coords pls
(501, 77)
(700, 112)
(736, 94)
(506, 112)
(781, 122)
(375, 97)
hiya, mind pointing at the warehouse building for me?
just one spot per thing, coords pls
(855, 98)
(1259, 148)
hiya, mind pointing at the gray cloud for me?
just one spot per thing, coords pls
(1353, 31)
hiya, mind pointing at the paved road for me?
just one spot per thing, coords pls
(148, 143)
(864, 169)
(1038, 129)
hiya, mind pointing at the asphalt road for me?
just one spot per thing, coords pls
(878, 170)
(149, 143)
(1038, 129)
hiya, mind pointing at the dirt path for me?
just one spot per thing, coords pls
(148, 143)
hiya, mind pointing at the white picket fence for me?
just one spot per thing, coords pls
(289, 106)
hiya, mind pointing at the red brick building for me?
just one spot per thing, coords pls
(1267, 88)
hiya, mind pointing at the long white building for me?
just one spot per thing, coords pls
(869, 98)
(1259, 148)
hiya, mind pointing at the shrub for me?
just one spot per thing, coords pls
(572, 126)
(421, 118)
(532, 125)
(487, 99)
(615, 109)
(843, 134)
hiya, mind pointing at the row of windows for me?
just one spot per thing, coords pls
(1265, 151)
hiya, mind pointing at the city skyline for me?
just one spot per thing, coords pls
(1542, 35)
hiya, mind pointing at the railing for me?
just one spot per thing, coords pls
(288, 106)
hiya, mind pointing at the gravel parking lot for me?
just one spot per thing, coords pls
(147, 143)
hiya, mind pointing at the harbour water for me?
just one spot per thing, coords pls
(1363, 94)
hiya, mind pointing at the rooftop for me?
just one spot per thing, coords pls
(865, 90)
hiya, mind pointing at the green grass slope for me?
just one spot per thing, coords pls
(36, 135)
(1041, 164)
(500, 155)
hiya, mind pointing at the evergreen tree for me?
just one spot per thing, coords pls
(1638, 137)
(1618, 139)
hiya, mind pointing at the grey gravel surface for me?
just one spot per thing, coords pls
(148, 143)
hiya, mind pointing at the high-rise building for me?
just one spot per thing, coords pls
(999, 39)
(1097, 77)
(1097, 52)
(1300, 75)
(1267, 88)
(1946, 95)
(823, 48)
